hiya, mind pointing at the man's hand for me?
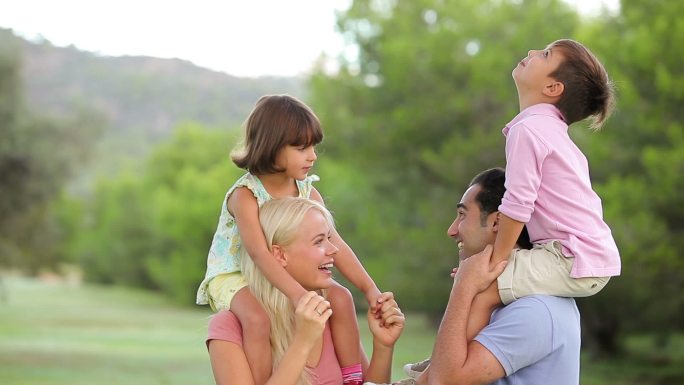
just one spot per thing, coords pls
(475, 274)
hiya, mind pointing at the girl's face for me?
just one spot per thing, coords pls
(310, 256)
(296, 160)
(532, 74)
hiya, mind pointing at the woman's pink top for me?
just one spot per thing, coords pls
(225, 326)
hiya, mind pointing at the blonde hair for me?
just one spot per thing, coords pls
(280, 219)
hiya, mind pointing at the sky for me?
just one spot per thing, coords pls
(240, 37)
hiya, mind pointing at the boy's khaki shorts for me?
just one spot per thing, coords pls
(544, 270)
(223, 288)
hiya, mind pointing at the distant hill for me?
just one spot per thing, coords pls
(141, 98)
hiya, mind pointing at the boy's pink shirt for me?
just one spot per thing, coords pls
(548, 187)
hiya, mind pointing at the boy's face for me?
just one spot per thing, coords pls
(532, 74)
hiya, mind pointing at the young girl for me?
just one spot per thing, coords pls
(278, 153)
(548, 187)
(298, 233)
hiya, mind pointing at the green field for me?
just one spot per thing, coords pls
(56, 333)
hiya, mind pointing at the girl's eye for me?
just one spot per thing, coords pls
(546, 53)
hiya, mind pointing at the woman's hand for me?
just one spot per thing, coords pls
(311, 314)
(386, 329)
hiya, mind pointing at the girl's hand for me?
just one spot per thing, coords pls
(387, 329)
(311, 314)
(374, 299)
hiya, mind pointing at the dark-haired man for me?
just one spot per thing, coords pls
(533, 340)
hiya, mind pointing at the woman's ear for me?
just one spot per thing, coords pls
(279, 255)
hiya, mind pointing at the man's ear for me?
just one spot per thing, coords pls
(494, 217)
(554, 89)
(279, 255)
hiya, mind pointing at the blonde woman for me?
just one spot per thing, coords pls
(298, 232)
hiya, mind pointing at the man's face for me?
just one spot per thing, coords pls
(470, 233)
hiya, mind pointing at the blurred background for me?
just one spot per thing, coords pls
(113, 165)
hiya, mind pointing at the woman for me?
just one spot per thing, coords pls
(297, 232)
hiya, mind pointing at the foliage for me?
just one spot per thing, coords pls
(38, 155)
(641, 158)
(420, 113)
(152, 228)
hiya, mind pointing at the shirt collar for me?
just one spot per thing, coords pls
(545, 109)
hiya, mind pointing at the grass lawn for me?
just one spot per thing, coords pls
(56, 333)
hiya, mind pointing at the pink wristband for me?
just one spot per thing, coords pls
(352, 375)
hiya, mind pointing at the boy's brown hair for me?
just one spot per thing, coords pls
(587, 89)
(275, 122)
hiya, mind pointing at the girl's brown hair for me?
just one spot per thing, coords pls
(588, 92)
(275, 122)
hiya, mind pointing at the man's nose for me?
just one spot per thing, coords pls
(452, 231)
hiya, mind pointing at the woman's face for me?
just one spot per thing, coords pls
(311, 255)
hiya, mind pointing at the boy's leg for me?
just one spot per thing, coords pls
(417, 368)
(481, 311)
(345, 330)
(256, 331)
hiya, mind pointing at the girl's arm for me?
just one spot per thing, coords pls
(506, 238)
(349, 265)
(243, 205)
(386, 331)
(230, 365)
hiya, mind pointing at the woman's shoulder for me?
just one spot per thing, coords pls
(225, 326)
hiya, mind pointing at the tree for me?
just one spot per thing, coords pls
(38, 155)
(152, 227)
(418, 115)
(640, 160)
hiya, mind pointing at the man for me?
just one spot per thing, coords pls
(534, 340)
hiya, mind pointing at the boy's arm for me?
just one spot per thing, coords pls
(506, 237)
(348, 264)
(243, 205)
